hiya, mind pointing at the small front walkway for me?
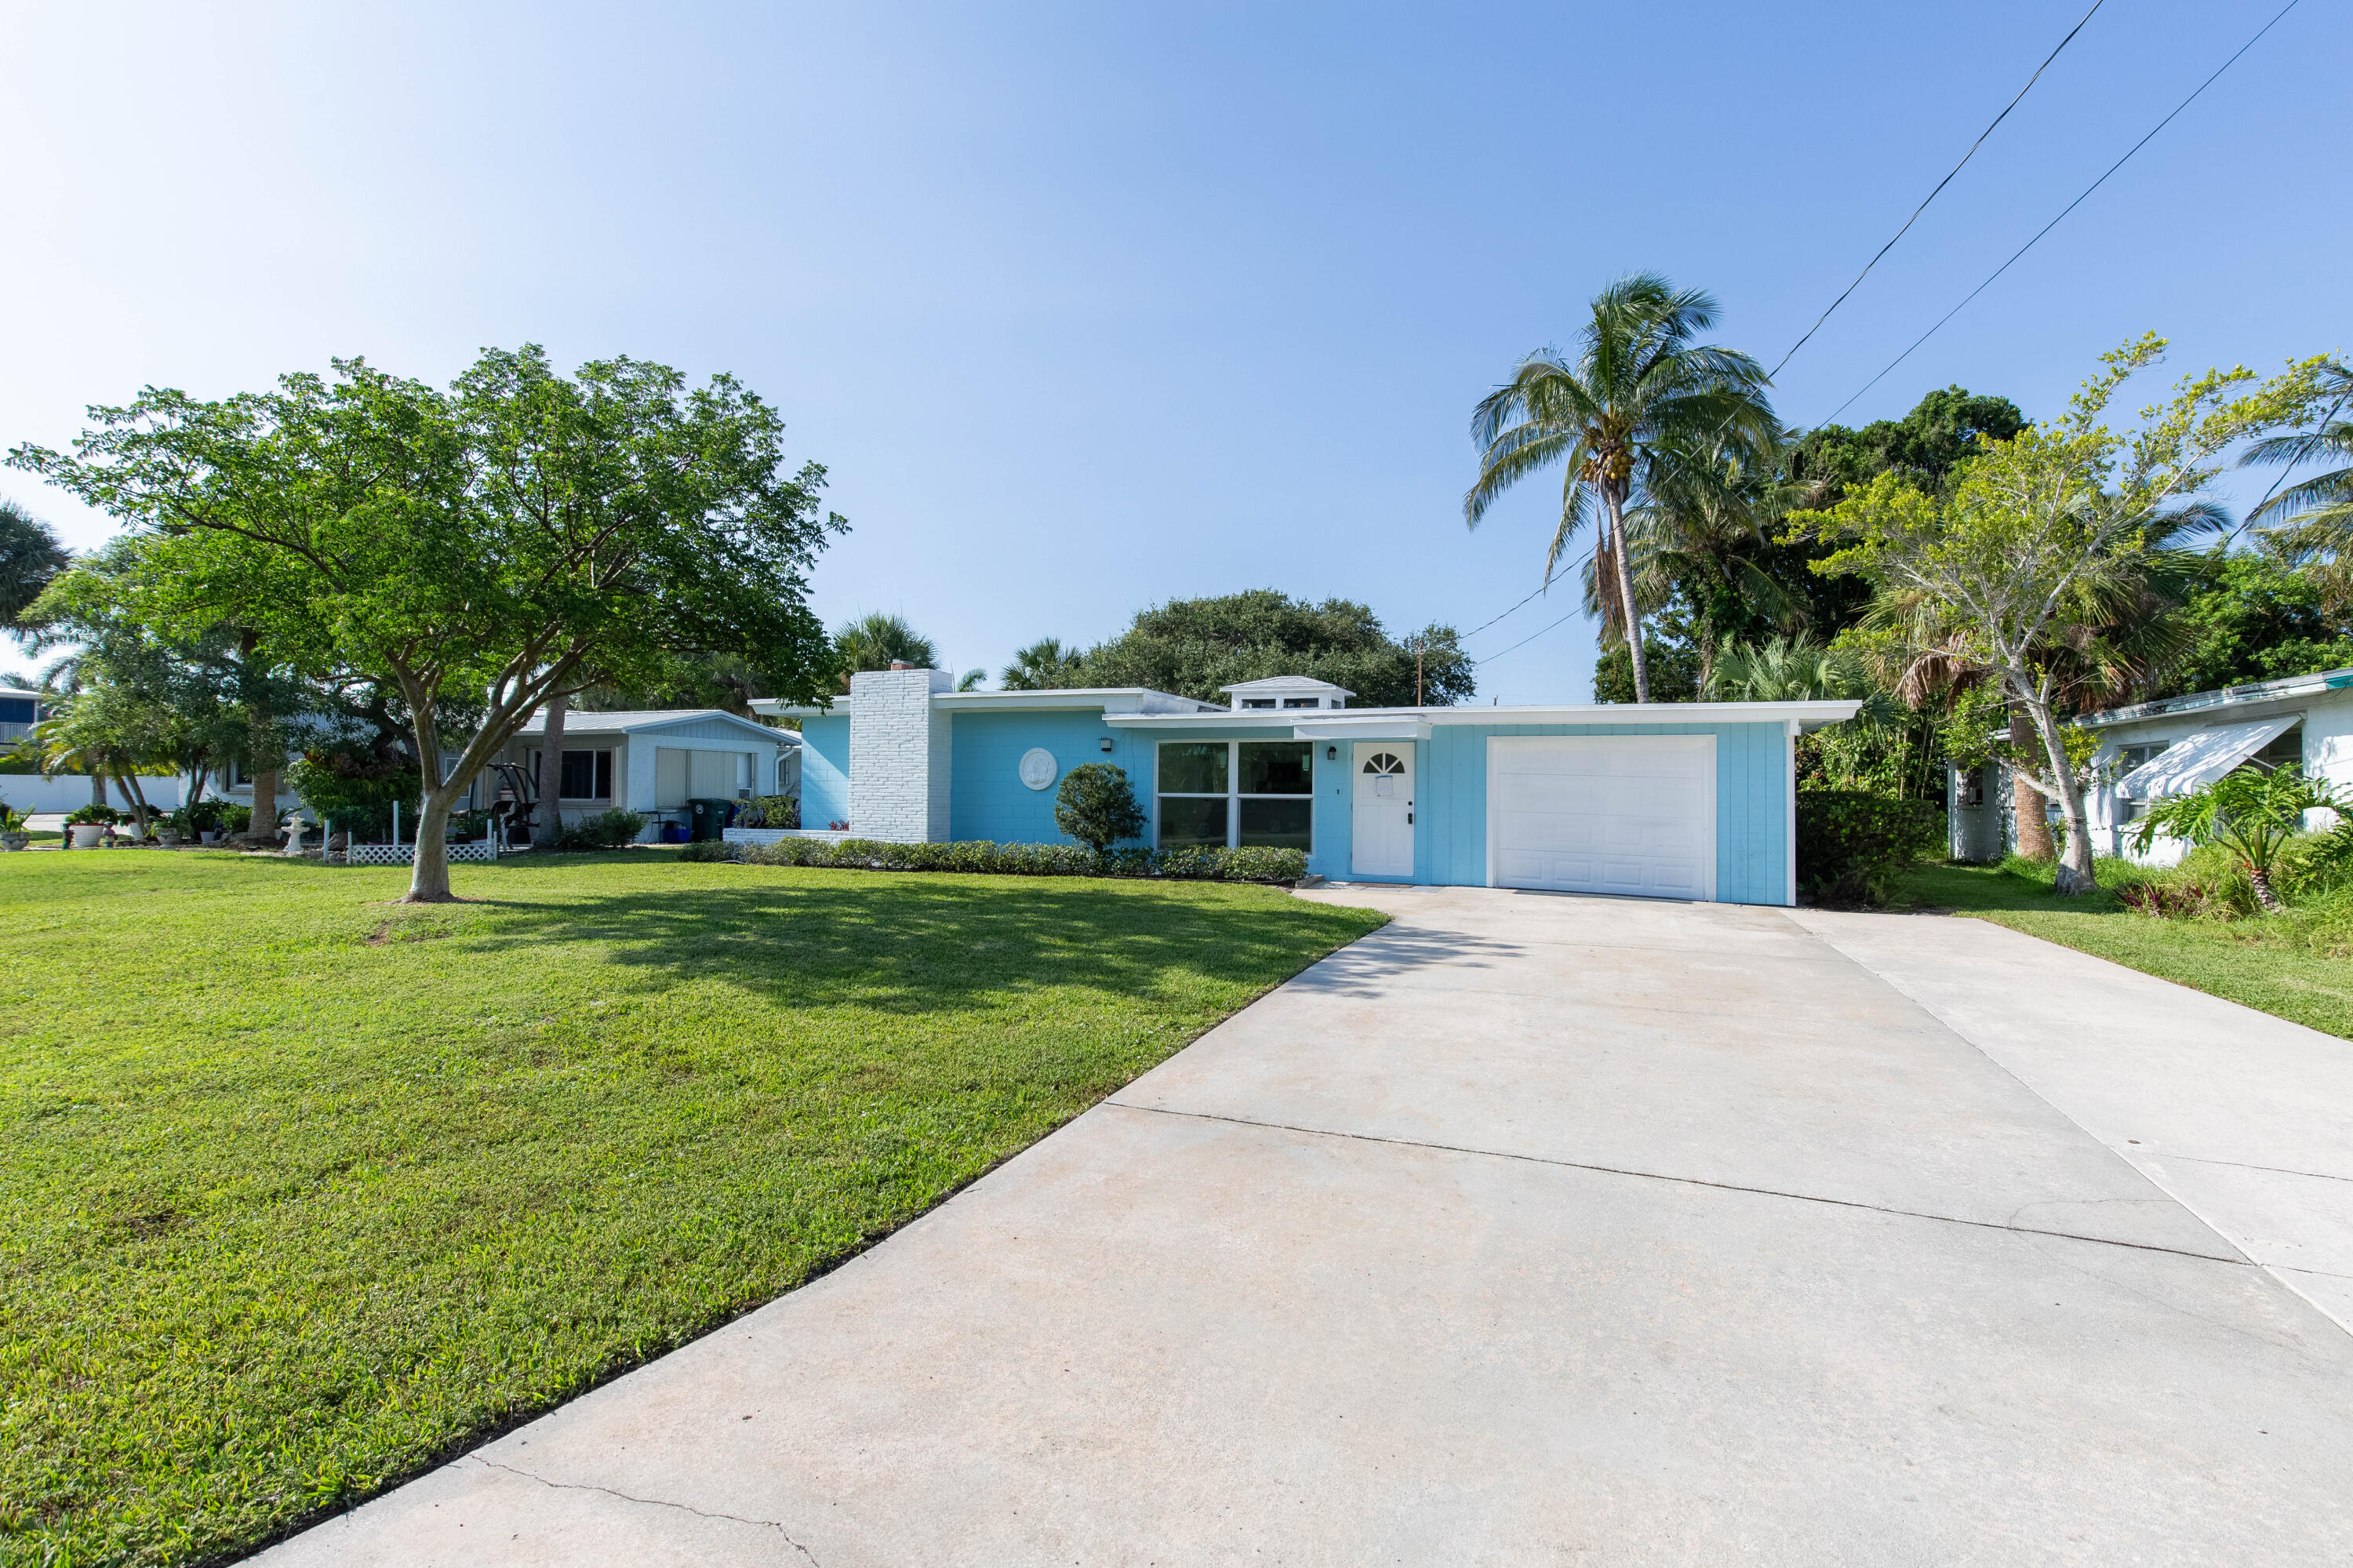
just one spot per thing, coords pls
(1535, 1229)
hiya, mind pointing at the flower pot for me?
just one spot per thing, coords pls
(209, 836)
(168, 837)
(86, 835)
(15, 841)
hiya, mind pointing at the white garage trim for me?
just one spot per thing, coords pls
(1789, 815)
(1699, 748)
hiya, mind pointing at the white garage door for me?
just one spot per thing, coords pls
(1615, 813)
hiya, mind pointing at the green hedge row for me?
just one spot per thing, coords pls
(1016, 860)
(1851, 844)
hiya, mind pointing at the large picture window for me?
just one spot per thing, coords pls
(1237, 792)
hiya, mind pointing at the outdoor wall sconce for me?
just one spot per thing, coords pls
(1107, 743)
(1331, 754)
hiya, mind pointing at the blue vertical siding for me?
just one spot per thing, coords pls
(1451, 805)
(825, 770)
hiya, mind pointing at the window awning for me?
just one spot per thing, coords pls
(2194, 763)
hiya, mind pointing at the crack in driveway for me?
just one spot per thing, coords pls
(651, 1502)
(1695, 1182)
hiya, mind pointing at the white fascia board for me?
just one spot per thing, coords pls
(1806, 716)
(1126, 699)
(776, 707)
(1353, 727)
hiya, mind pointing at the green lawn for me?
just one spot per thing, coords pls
(2290, 965)
(301, 1190)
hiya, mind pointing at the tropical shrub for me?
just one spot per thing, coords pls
(93, 813)
(769, 811)
(2252, 812)
(1027, 860)
(605, 831)
(706, 850)
(1851, 846)
(1095, 805)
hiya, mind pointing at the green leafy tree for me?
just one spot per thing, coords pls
(1928, 446)
(2249, 615)
(2252, 812)
(1193, 647)
(1096, 805)
(1639, 395)
(875, 641)
(2045, 532)
(520, 534)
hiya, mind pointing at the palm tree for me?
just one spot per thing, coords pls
(1700, 530)
(2312, 520)
(30, 556)
(876, 640)
(1044, 666)
(1786, 670)
(1638, 392)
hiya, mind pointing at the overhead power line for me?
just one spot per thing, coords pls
(1484, 624)
(1530, 637)
(2071, 207)
(1932, 195)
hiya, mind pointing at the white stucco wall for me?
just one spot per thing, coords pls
(2327, 753)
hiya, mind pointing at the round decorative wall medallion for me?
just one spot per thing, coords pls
(1038, 768)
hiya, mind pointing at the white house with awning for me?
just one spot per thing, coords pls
(2152, 750)
(656, 761)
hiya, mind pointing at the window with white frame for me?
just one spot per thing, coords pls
(587, 775)
(1236, 793)
(2128, 758)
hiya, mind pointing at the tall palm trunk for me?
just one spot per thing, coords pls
(1632, 617)
(2034, 840)
(547, 821)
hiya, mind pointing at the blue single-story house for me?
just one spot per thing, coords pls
(1692, 800)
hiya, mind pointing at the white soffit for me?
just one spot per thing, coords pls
(2197, 761)
(1362, 729)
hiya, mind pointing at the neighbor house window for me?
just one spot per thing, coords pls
(1235, 793)
(2128, 758)
(1302, 702)
(587, 775)
(1258, 702)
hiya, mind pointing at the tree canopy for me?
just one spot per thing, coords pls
(1194, 646)
(520, 534)
(30, 556)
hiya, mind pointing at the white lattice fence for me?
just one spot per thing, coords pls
(406, 854)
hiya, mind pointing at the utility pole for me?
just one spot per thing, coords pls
(1417, 672)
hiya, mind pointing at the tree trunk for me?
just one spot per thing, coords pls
(2264, 895)
(2074, 876)
(1628, 613)
(429, 882)
(2034, 841)
(265, 805)
(547, 821)
(129, 784)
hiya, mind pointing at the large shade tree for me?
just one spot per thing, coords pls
(510, 539)
(2047, 539)
(1638, 392)
(1194, 647)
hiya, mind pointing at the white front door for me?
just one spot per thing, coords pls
(1616, 813)
(1381, 842)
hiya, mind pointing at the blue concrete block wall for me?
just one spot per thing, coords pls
(986, 799)
(825, 770)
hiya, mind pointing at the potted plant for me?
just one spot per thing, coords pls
(11, 829)
(89, 824)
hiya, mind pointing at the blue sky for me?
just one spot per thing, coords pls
(1086, 307)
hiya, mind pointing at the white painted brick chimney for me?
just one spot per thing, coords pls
(899, 755)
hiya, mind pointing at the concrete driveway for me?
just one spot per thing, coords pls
(1546, 1229)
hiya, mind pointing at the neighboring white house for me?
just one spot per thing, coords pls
(656, 761)
(2151, 750)
(647, 761)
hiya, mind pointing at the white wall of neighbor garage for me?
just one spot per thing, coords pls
(1632, 814)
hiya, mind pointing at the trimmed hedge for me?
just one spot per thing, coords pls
(1851, 844)
(1018, 860)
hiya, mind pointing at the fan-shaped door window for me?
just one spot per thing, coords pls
(1385, 768)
